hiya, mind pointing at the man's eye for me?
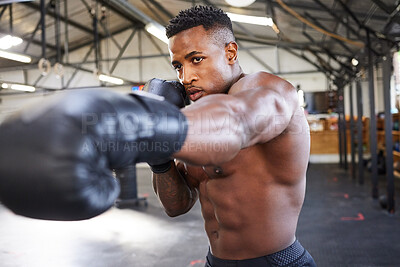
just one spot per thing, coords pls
(177, 67)
(197, 59)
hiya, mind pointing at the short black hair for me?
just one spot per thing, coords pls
(207, 16)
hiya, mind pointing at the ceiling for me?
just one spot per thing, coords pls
(325, 33)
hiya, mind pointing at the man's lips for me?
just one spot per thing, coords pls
(194, 93)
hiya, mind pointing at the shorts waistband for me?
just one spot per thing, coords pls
(281, 258)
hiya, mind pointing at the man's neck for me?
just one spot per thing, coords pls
(238, 74)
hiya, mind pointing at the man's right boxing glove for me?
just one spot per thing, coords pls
(173, 92)
(57, 158)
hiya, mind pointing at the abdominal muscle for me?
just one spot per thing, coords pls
(249, 208)
(249, 225)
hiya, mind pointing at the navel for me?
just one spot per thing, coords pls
(218, 170)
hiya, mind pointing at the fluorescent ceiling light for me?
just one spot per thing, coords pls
(25, 88)
(9, 41)
(4, 2)
(240, 3)
(110, 79)
(264, 21)
(15, 56)
(157, 30)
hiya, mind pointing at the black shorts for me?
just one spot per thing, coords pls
(294, 255)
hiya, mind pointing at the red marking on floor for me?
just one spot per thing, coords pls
(197, 261)
(359, 217)
(337, 194)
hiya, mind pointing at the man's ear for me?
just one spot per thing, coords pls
(231, 51)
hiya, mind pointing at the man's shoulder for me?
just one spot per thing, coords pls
(263, 76)
(261, 79)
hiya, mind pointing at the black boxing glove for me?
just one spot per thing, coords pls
(173, 92)
(57, 158)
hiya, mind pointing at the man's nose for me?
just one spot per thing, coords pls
(188, 76)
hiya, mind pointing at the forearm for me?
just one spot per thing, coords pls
(173, 192)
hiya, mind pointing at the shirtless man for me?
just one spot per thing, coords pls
(252, 187)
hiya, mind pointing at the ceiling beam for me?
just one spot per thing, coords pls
(2, 11)
(155, 12)
(338, 19)
(62, 18)
(127, 11)
(168, 14)
(81, 45)
(298, 5)
(342, 44)
(329, 54)
(376, 35)
(384, 7)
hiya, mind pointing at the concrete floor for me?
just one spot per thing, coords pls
(147, 237)
(142, 237)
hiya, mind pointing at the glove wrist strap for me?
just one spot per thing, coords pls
(162, 168)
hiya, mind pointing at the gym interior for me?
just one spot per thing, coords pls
(343, 58)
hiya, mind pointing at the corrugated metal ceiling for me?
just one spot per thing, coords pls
(350, 19)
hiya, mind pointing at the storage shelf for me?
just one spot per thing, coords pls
(382, 132)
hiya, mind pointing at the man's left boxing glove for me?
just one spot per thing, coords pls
(175, 93)
(56, 158)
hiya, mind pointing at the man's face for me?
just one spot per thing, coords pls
(201, 63)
